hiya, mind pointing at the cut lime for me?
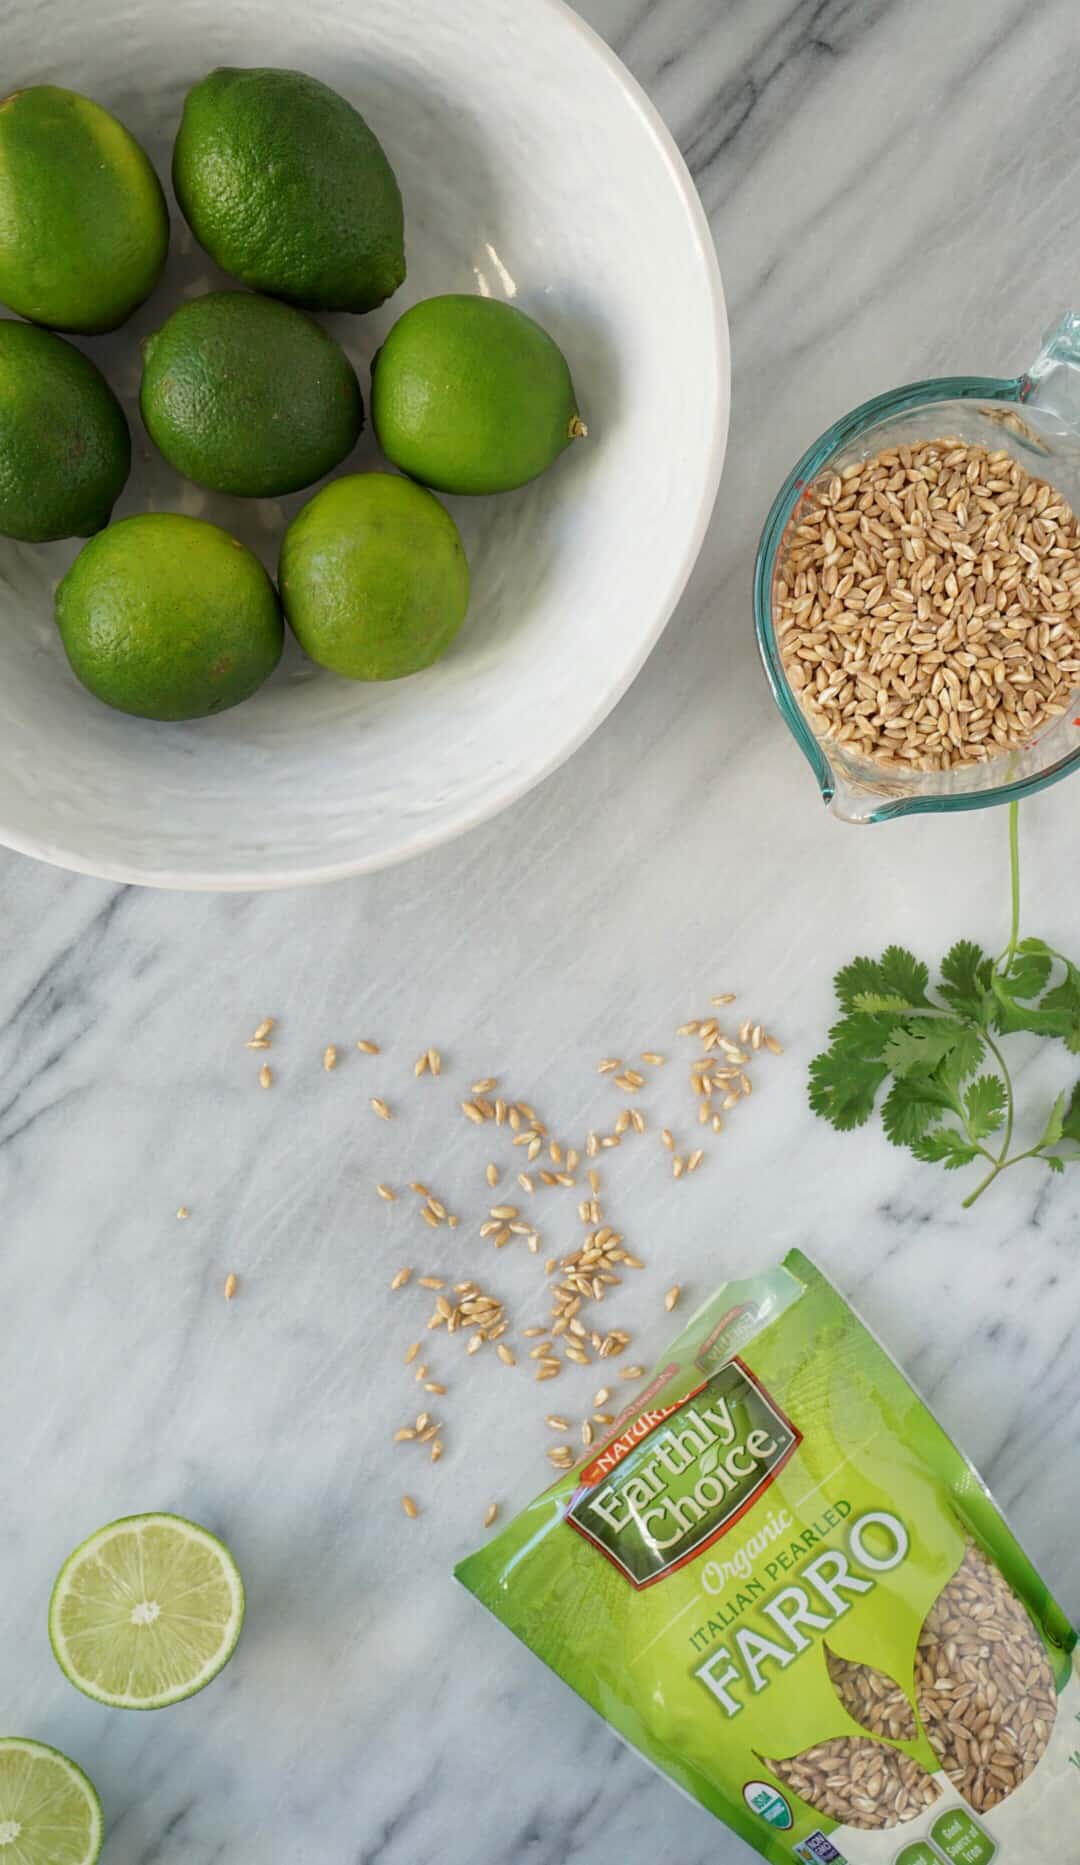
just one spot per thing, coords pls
(146, 1612)
(49, 1812)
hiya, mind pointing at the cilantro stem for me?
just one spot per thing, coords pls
(1005, 962)
(1018, 1159)
(1002, 1162)
(1010, 1102)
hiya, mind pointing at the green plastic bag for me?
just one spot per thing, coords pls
(781, 1581)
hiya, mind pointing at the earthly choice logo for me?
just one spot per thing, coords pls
(679, 1476)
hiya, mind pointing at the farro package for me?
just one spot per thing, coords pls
(781, 1581)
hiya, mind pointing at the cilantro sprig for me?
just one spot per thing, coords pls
(951, 1099)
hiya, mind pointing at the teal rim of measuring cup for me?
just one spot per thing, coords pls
(793, 490)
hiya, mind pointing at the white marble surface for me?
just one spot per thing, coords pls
(895, 192)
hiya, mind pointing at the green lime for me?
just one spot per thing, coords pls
(49, 1812)
(373, 577)
(288, 189)
(470, 395)
(169, 618)
(83, 225)
(146, 1612)
(249, 396)
(65, 449)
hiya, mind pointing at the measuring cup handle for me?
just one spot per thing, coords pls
(1053, 381)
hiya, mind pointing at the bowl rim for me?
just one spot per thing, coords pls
(481, 810)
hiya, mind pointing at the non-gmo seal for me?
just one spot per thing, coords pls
(768, 1804)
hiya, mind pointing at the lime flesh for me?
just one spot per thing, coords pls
(146, 1612)
(49, 1811)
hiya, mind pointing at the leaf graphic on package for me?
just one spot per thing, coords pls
(984, 1687)
(858, 1782)
(872, 1699)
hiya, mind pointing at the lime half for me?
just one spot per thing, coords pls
(146, 1612)
(49, 1812)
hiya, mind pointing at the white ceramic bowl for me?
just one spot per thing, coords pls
(534, 169)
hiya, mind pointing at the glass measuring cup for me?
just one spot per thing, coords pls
(1036, 417)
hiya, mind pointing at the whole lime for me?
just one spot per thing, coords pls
(65, 450)
(169, 617)
(470, 395)
(249, 396)
(373, 577)
(83, 225)
(284, 184)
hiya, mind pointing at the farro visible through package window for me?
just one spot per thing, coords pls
(781, 1581)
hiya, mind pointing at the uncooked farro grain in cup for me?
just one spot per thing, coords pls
(778, 1578)
(927, 605)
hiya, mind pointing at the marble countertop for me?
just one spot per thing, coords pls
(894, 194)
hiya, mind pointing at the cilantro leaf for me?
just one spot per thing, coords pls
(945, 1146)
(861, 976)
(1055, 1123)
(965, 979)
(1064, 1000)
(964, 1059)
(862, 1036)
(1070, 1125)
(904, 975)
(843, 1088)
(922, 1044)
(1055, 1015)
(1030, 970)
(912, 1104)
(985, 1105)
(942, 1099)
(897, 976)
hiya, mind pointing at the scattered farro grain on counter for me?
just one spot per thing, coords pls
(927, 605)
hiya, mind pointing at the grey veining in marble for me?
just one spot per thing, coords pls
(895, 192)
